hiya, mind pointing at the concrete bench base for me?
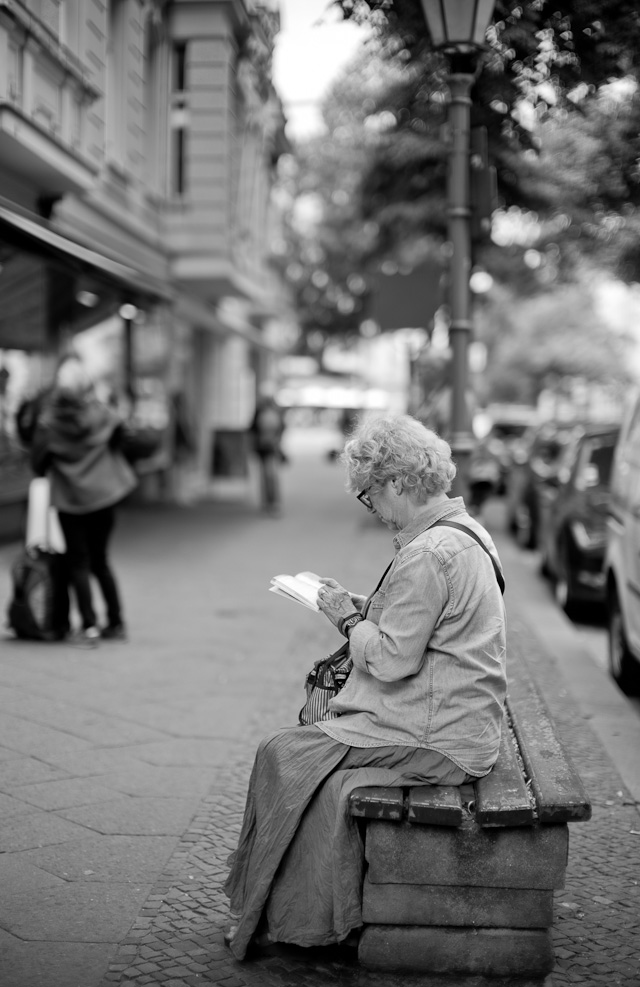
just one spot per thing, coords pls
(468, 855)
(424, 904)
(517, 953)
(461, 900)
(459, 882)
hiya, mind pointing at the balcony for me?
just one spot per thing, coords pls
(45, 95)
(39, 157)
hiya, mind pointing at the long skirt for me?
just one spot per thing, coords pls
(300, 859)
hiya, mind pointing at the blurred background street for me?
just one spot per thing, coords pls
(123, 769)
(339, 209)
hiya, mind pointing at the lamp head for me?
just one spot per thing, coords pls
(458, 25)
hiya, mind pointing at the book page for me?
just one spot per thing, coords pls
(295, 599)
(311, 578)
(303, 588)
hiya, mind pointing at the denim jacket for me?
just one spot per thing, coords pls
(429, 659)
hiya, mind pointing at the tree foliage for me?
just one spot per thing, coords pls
(565, 146)
(589, 166)
(559, 334)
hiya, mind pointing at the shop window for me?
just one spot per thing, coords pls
(179, 121)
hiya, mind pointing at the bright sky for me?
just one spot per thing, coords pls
(312, 47)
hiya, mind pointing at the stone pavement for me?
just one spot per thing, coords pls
(123, 769)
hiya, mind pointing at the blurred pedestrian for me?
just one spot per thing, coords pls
(483, 477)
(266, 430)
(75, 443)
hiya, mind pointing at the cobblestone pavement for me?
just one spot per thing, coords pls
(596, 931)
(176, 938)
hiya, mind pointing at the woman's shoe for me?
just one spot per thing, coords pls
(229, 934)
(262, 940)
(114, 632)
(87, 638)
(234, 918)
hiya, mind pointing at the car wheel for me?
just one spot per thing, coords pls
(562, 589)
(624, 669)
(545, 568)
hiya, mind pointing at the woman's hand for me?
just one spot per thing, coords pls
(334, 601)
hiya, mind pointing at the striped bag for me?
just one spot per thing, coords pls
(328, 676)
(323, 682)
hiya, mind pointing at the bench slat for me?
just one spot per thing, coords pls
(502, 798)
(377, 803)
(439, 805)
(556, 785)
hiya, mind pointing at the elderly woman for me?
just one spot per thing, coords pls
(423, 703)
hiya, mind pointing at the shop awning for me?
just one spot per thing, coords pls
(37, 235)
(40, 234)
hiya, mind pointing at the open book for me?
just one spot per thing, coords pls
(303, 588)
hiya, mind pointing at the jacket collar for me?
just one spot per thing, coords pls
(436, 513)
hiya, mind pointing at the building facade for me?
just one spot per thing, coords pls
(138, 145)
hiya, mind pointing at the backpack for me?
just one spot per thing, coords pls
(39, 609)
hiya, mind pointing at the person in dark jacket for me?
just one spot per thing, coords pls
(75, 443)
(266, 431)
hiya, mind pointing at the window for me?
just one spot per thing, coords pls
(602, 459)
(116, 115)
(48, 12)
(71, 25)
(14, 73)
(179, 120)
(154, 120)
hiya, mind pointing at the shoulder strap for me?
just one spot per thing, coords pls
(468, 531)
(380, 582)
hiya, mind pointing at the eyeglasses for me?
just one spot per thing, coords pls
(365, 499)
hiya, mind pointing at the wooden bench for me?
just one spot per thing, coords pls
(460, 881)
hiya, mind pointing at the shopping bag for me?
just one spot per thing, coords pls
(43, 525)
(39, 606)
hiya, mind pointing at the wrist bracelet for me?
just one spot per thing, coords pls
(349, 618)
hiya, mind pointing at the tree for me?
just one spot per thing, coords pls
(589, 162)
(555, 335)
(329, 241)
(543, 72)
(375, 183)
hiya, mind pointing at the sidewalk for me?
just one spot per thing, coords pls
(123, 770)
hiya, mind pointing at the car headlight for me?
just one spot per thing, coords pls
(587, 539)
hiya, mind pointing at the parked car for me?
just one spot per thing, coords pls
(622, 558)
(536, 458)
(573, 504)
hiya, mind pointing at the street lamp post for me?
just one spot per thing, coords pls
(127, 313)
(458, 27)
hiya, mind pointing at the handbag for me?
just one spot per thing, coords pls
(324, 681)
(327, 678)
(137, 442)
